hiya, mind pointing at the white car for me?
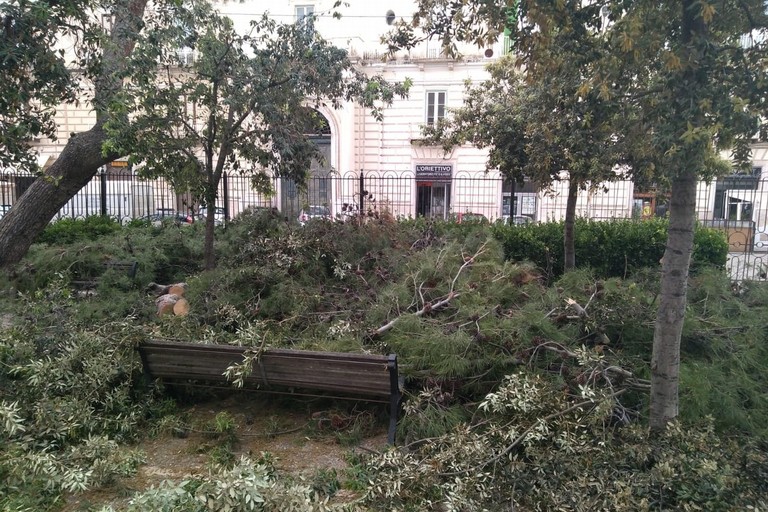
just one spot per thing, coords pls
(314, 212)
(219, 215)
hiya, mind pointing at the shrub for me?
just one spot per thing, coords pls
(73, 400)
(248, 485)
(164, 256)
(614, 248)
(67, 231)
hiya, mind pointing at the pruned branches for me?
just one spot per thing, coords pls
(429, 306)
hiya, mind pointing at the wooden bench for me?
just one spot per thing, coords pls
(130, 268)
(372, 378)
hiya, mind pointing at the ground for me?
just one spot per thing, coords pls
(302, 435)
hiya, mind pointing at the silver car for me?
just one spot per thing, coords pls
(219, 215)
(314, 212)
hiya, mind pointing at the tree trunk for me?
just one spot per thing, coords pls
(665, 361)
(569, 246)
(74, 168)
(209, 254)
(82, 156)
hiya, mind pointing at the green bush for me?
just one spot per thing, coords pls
(614, 248)
(67, 231)
(164, 256)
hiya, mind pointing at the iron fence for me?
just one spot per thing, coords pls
(737, 205)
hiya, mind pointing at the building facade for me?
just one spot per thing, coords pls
(382, 164)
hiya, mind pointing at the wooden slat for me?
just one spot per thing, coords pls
(359, 374)
(167, 346)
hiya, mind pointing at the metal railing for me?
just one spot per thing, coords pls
(737, 205)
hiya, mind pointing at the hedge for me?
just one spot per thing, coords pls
(611, 248)
(67, 231)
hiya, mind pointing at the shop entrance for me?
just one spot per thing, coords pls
(433, 199)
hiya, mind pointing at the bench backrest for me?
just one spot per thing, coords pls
(129, 267)
(356, 374)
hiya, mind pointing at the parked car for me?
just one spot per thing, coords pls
(219, 215)
(314, 212)
(168, 216)
(4, 208)
(519, 220)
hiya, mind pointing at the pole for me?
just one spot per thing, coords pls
(226, 198)
(362, 193)
(103, 179)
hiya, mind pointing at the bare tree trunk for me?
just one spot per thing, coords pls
(82, 156)
(665, 362)
(569, 246)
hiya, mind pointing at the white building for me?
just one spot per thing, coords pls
(401, 175)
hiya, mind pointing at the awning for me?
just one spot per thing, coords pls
(747, 196)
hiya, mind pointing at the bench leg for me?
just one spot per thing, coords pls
(394, 397)
(394, 407)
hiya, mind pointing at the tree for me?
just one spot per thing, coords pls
(698, 91)
(36, 78)
(241, 106)
(537, 129)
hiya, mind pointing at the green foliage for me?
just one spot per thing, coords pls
(325, 482)
(724, 358)
(710, 248)
(73, 401)
(36, 75)
(614, 248)
(223, 425)
(552, 451)
(164, 255)
(434, 412)
(67, 231)
(462, 318)
(248, 485)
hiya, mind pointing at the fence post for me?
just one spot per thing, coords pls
(362, 194)
(103, 179)
(225, 180)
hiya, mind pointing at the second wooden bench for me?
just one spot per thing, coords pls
(130, 268)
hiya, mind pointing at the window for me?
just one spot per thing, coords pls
(107, 20)
(435, 107)
(302, 11)
(186, 56)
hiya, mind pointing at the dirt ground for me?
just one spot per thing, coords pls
(302, 436)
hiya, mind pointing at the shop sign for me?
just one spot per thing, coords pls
(431, 172)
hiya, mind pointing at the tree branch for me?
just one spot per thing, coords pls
(452, 294)
(519, 439)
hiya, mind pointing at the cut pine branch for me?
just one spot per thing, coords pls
(438, 304)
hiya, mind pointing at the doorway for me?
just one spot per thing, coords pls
(316, 191)
(433, 199)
